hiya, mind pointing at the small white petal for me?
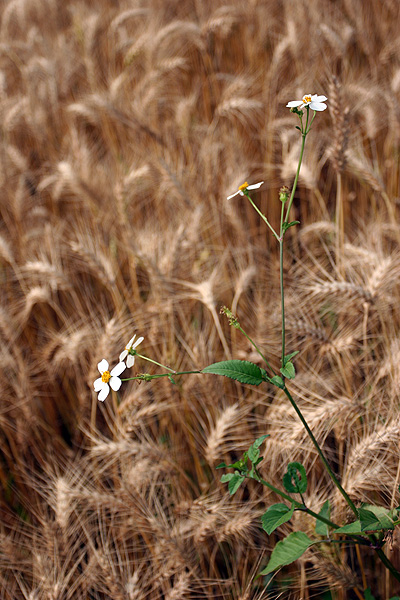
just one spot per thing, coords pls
(123, 355)
(255, 186)
(294, 103)
(138, 341)
(130, 361)
(233, 195)
(319, 98)
(129, 344)
(115, 383)
(318, 106)
(102, 366)
(117, 370)
(103, 393)
(98, 384)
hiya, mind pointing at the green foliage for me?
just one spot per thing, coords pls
(278, 381)
(320, 527)
(276, 515)
(287, 551)
(288, 370)
(241, 466)
(295, 478)
(286, 226)
(243, 371)
(234, 481)
(372, 518)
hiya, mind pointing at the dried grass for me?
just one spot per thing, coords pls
(125, 126)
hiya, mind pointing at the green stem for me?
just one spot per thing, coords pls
(264, 218)
(387, 563)
(322, 457)
(158, 375)
(296, 503)
(256, 347)
(303, 135)
(282, 297)
(155, 362)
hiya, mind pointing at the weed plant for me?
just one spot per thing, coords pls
(125, 125)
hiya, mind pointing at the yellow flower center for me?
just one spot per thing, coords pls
(244, 186)
(106, 377)
(306, 99)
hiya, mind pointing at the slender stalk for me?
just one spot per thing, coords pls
(158, 375)
(387, 563)
(282, 298)
(155, 362)
(296, 503)
(256, 348)
(264, 218)
(321, 454)
(303, 135)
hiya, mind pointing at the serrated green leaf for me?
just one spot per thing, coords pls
(320, 527)
(295, 478)
(288, 370)
(287, 551)
(243, 371)
(260, 440)
(354, 527)
(276, 515)
(253, 454)
(226, 477)
(290, 356)
(375, 518)
(278, 381)
(235, 483)
(222, 465)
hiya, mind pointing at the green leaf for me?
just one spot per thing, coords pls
(290, 356)
(288, 370)
(254, 450)
(276, 515)
(222, 465)
(320, 527)
(354, 527)
(226, 477)
(375, 518)
(235, 483)
(368, 594)
(287, 551)
(243, 371)
(286, 226)
(278, 381)
(295, 478)
(260, 440)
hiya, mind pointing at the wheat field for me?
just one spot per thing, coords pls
(125, 124)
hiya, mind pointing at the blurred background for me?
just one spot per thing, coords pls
(124, 126)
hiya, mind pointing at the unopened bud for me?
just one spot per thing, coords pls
(284, 193)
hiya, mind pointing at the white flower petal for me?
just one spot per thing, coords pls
(294, 103)
(129, 344)
(316, 98)
(117, 370)
(102, 366)
(318, 106)
(138, 341)
(98, 384)
(130, 361)
(123, 355)
(104, 392)
(255, 186)
(233, 195)
(115, 383)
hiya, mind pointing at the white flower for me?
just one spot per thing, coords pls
(108, 379)
(313, 101)
(245, 186)
(130, 361)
